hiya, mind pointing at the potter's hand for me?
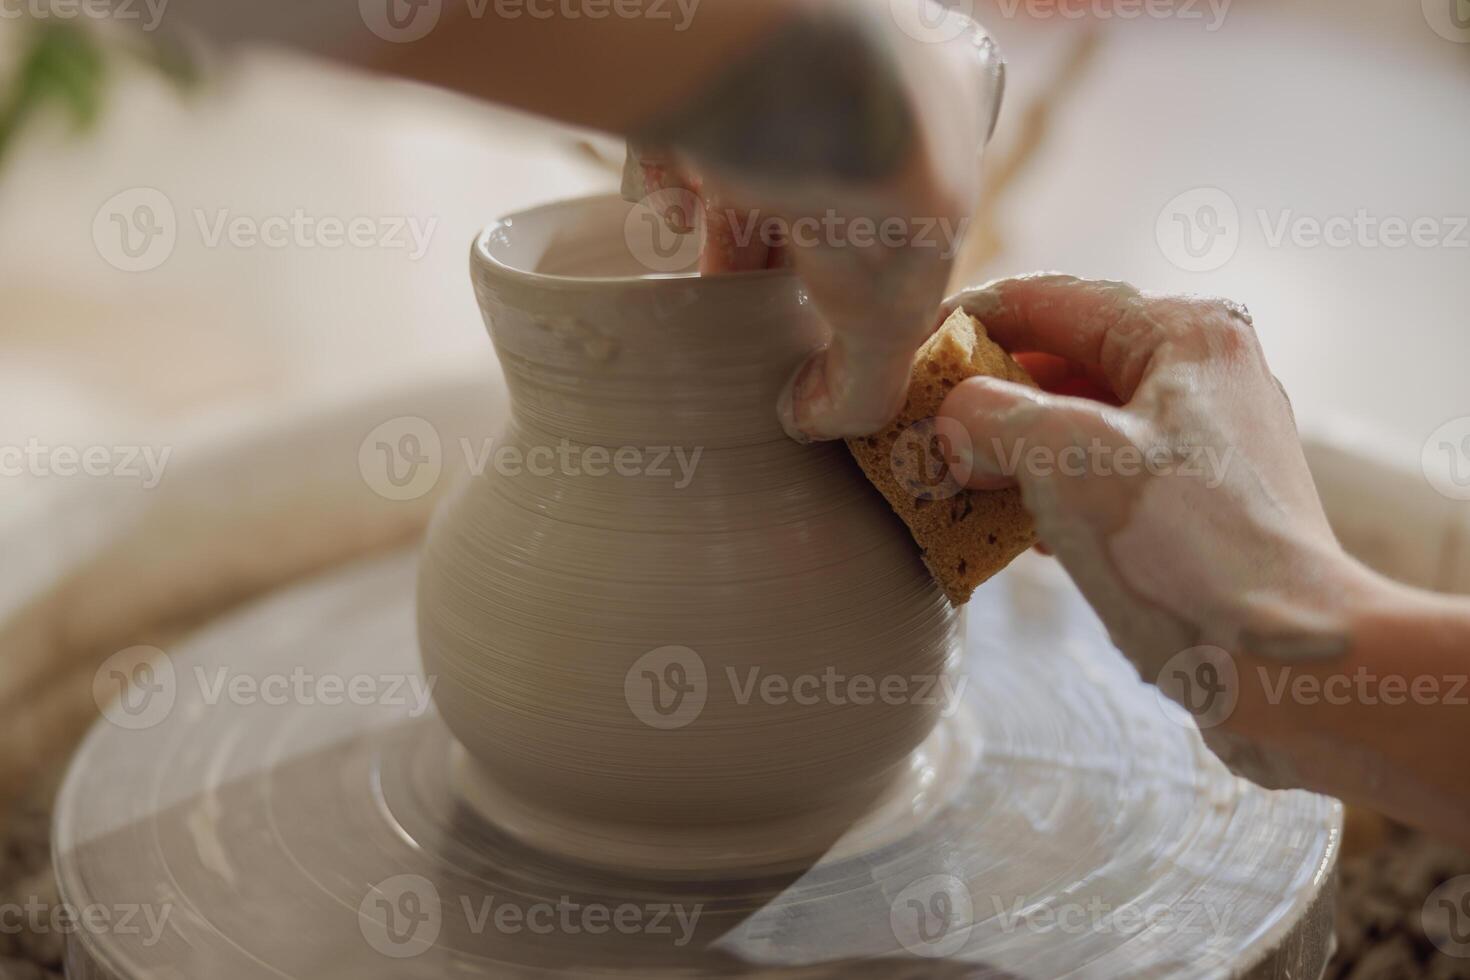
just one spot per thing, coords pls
(1182, 506)
(851, 128)
(1184, 509)
(857, 144)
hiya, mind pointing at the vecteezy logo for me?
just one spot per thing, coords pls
(665, 230)
(400, 21)
(1199, 231)
(932, 459)
(933, 916)
(136, 688)
(1204, 682)
(402, 458)
(1446, 459)
(401, 916)
(666, 688)
(1450, 19)
(136, 230)
(930, 22)
(1446, 917)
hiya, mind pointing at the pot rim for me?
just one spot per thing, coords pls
(484, 260)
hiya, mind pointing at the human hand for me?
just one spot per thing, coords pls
(858, 144)
(1184, 510)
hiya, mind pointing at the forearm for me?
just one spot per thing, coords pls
(607, 64)
(1386, 725)
(615, 74)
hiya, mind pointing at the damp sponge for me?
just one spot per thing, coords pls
(965, 536)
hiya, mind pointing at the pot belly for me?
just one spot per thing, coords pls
(733, 657)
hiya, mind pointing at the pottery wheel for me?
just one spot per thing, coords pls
(320, 836)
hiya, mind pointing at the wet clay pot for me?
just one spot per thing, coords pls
(605, 606)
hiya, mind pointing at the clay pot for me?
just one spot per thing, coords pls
(604, 606)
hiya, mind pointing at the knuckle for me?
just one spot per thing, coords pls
(1210, 328)
(1233, 320)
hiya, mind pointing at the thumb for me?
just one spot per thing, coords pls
(1021, 436)
(850, 388)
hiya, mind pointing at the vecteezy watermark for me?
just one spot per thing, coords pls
(137, 688)
(1362, 687)
(1446, 917)
(932, 21)
(665, 231)
(933, 916)
(1203, 681)
(403, 916)
(1210, 14)
(403, 233)
(137, 230)
(933, 459)
(145, 464)
(1363, 229)
(1450, 19)
(833, 230)
(37, 917)
(668, 688)
(832, 687)
(675, 465)
(222, 685)
(1096, 916)
(1446, 459)
(1201, 230)
(943, 21)
(403, 458)
(406, 21)
(142, 14)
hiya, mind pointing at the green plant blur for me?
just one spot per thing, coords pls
(63, 68)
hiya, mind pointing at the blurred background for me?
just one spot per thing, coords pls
(218, 275)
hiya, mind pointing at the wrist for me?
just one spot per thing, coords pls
(1381, 724)
(1299, 660)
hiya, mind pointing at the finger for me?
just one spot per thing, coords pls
(1063, 377)
(653, 176)
(729, 246)
(635, 181)
(1108, 326)
(878, 304)
(849, 389)
(1047, 370)
(1005, 422)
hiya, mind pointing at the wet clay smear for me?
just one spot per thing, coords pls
(965, 536)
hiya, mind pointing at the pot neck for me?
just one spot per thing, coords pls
(680, 361)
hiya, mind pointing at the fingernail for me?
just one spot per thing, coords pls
(976, 472)
(793, 395)
(635, 184)
(980, 303)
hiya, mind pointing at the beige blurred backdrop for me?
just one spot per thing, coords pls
(1166, 150)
